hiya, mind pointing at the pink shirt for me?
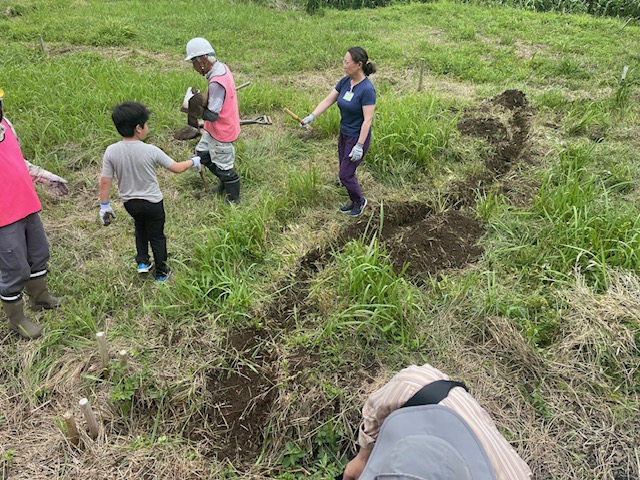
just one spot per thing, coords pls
(18, 197)
(505, 461)
(227, 127)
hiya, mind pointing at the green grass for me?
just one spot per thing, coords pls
(543, 326)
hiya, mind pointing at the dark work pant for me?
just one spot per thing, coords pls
(149, 222)
(347, 173)
(24, 253)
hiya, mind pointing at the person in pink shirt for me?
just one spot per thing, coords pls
(221, 118)
(24, 249)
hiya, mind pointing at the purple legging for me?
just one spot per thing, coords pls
(348, 168)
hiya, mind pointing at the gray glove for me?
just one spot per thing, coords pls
(197, 166)
(308, 119)
(356, 152)
(57, 185)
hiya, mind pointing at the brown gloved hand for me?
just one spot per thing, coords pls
(187, 133)
(196, 108)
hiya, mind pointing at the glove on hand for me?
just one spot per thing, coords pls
(308, 119)
(106, 213)
(196, 108)
(356, 152)
(197, 166)
(57, 185)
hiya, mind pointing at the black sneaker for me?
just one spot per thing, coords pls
(358, 208)
(347, 208)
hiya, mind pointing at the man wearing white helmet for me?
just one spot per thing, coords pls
(221, 117)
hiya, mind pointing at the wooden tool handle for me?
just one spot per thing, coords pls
(245, 84)
(296, 117)
(204, 181)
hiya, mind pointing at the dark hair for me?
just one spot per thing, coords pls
(358, 54)
(128, 115)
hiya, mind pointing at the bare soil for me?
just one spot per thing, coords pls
(417, 239)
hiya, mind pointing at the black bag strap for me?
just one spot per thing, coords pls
(433, 393)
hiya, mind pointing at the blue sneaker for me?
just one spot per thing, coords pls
(163, 277)
(358, 208)
(347, 208)
(144, 267)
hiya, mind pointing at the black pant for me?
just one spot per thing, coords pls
(149, 222)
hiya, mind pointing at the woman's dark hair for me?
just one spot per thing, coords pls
(128, 115)
(358, 54)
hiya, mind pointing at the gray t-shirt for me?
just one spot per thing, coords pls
(134, 165)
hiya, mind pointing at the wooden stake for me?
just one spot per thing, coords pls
(41, 41)
(90, 418)
(421, 74)
(72, 429)
(104, 349)
(123, 356)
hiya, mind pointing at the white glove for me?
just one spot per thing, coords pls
(356, 152)
(106, 213)
(308, 119)
(197, 166)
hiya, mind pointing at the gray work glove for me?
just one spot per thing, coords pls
(197, 166)
(356, 152)
(308, 119)
(106, 213)
(57, 185)
(196, 107)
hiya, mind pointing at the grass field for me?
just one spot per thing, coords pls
(501, 243)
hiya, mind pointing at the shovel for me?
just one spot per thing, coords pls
(259, 120)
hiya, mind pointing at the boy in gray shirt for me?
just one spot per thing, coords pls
(134, 163)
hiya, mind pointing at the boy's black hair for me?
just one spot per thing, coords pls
(128, 115)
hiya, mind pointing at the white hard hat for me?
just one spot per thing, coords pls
(197, 47)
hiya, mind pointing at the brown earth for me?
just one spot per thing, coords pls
(416, 238)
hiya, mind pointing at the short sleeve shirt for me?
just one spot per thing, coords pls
(350, 102)
(134, 166)
(505, 461)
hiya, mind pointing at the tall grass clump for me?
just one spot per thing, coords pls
(223, 266)
(613, 8)
(373, 300)
(413, 129)
(577, 221)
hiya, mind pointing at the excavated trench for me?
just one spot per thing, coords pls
(413, 235)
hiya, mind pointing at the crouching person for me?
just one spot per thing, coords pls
(24, 249)
(421, 425)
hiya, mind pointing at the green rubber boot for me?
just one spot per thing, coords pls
(39, 294)
(18, 322)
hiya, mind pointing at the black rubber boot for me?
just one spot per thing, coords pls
(233, 191)
(218, 188)
(39, 294)
(18, 322)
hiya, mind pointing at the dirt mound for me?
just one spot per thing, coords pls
(438, 242)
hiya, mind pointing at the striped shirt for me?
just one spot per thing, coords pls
(504, 459)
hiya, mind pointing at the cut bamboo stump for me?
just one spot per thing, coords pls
(72, 429)
(123, 356)
(104, 349)
(421, 74)
(90, 418)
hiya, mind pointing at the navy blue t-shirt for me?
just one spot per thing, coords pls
(351, 116)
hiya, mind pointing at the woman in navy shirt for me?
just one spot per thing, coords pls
(356, 100)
